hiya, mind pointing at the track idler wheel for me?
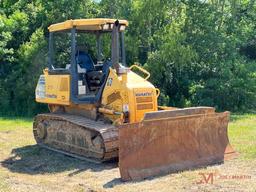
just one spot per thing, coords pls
(41, 130)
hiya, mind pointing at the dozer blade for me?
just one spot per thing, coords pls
(171, 141)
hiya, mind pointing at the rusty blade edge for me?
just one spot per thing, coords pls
(188, 116)
(139, 174)
(130, 171)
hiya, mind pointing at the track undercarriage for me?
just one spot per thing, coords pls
(76, 136)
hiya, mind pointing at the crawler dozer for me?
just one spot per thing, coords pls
(100, 109)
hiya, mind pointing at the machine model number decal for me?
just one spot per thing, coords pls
(109, 82)
(143, 94)
(51, 96)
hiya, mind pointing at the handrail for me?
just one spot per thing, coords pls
(157, 92)
(142, 70)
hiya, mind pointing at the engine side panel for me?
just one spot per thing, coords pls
(53, 89)
(129, 93)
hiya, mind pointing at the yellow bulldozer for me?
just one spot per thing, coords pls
(100, 109)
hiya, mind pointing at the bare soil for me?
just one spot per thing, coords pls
(27, 167)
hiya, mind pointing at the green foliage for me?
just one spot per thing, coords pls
(198, 52)
(170, 66)
(222, 76)
(201, 64)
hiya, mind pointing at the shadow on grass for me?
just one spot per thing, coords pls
(118, 181)
(33, 159)
(114, 182)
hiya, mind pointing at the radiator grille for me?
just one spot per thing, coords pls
(143, 99)
(144, 106)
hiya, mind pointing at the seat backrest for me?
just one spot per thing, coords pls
(85, 61)
(107, 64)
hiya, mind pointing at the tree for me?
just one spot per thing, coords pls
(198, 52)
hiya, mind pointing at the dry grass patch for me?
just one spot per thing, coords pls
(26, 167)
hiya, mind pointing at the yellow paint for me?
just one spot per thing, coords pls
(57, 89)
(112, 86)
(139, 88)
(127, 92)
(84, 24)
(138, 96)
(124, 93)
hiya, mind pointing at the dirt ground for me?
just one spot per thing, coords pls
(26, 167)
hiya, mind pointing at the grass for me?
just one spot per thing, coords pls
(12, 123)
(242, 134)
(26, 167)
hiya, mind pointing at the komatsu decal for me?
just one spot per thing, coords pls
(52, 96)
(143, 94)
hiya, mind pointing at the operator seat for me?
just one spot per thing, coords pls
(92, 76)
(85, 61)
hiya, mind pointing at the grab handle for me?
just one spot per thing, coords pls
(142, 70)
(157, 92)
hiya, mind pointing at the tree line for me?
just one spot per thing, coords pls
(198, 52)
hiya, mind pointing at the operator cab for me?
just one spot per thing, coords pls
(89, 49)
